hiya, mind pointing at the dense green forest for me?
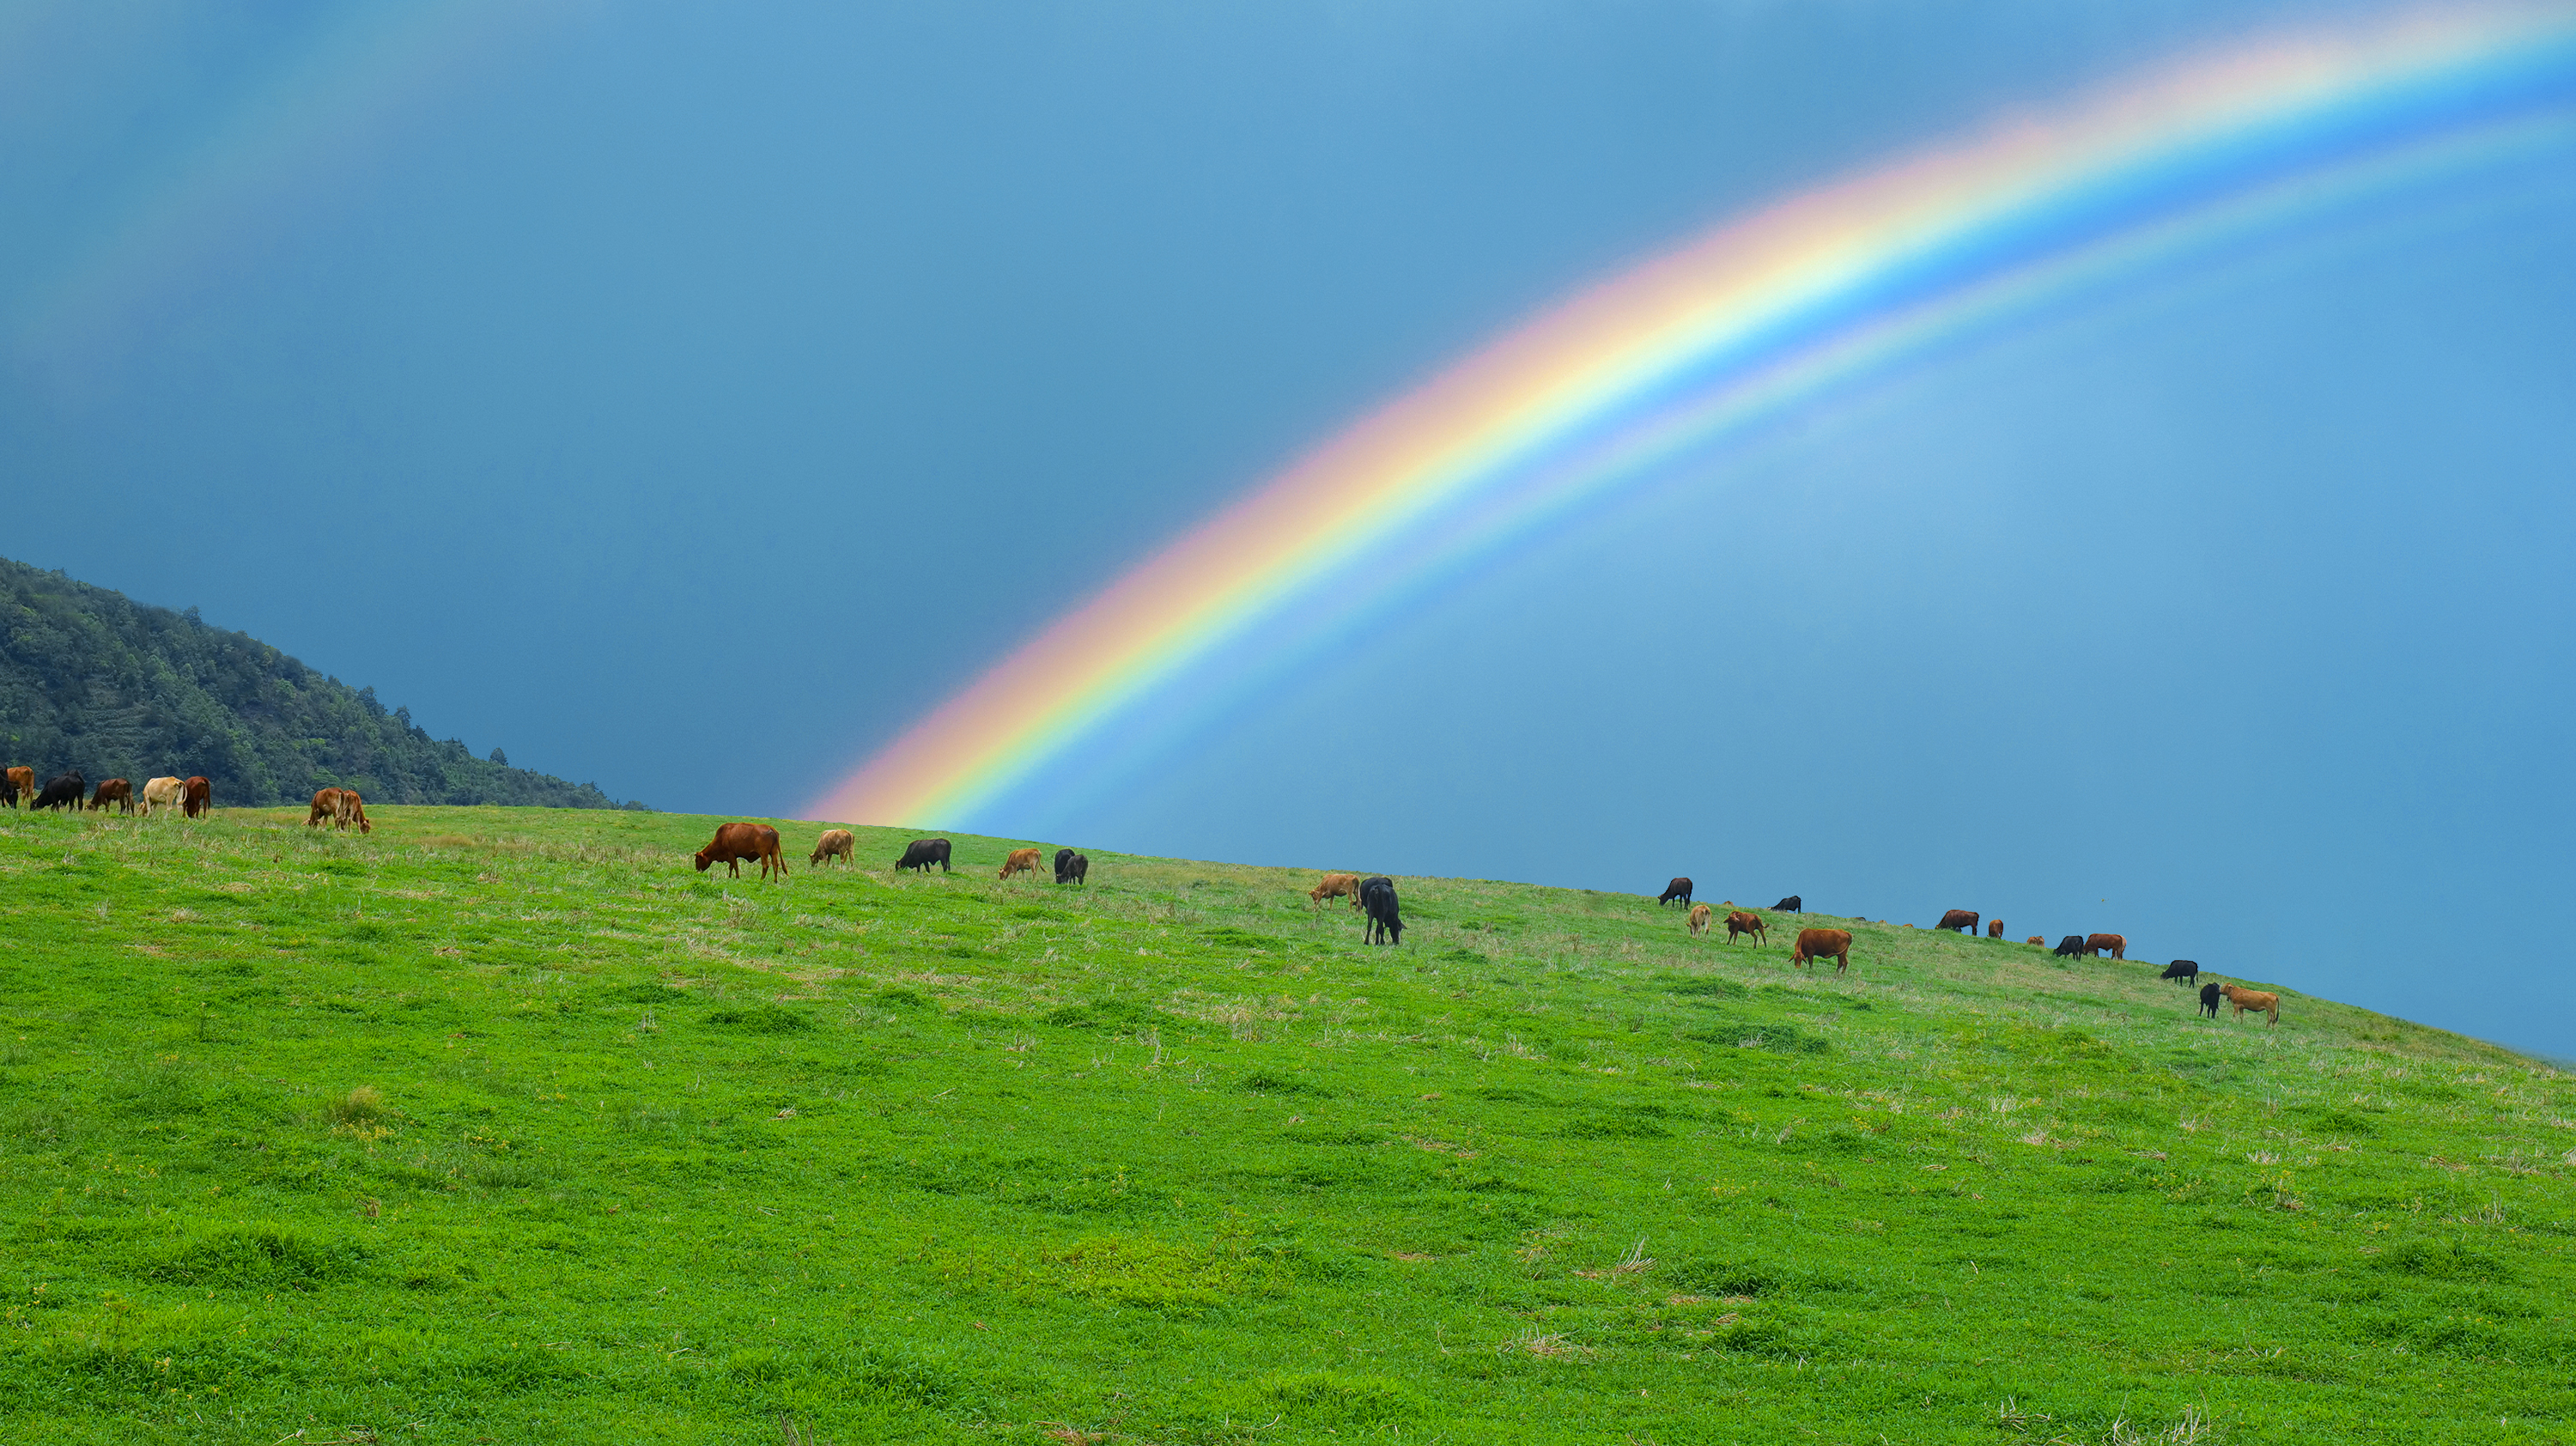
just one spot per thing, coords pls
(91, 679)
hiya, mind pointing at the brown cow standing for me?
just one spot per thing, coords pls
(22, 785)
(2118, 945)
(199, 798)
(1699, 916)
(2261, 1001)
(735, 842)
(1745, 921)
(114, 791)
(835, 843)
(1994, 928)
(326, 804)
(1334, 886)
(1814, 944)
(1020, 861)
(351, 810)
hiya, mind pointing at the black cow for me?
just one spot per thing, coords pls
(1790, 905)
(2070, 947)
(2183, 971)
(63, 792)
(1677, 889)
(921, 853)
(1377, 897)
(2209, 1000)
(1070, 867)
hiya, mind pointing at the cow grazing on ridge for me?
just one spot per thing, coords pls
(63, 790)
(1745, 921)
(2035, 939)
(735, 842)
(1699, 916)
(921, 853)
(2182, 971)
(353, 810)
(834, 844)
(1790, 905)
(2117, 944)
(1377, 900)
(2069, 947)
(1071, 867)
(2209, 995)
(1021, 861)
(1963, 921)
(326, 807)
(199, 798)
(2261, 1001)
(22, 786)
(1334, 886)
(1994, 928)
(114, 792)
(1815, 944)
(1677, 889)
(162, 793)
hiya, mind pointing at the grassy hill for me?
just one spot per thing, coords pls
(503, 1125)
(91, 679)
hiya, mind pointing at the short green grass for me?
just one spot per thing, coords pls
(505, 1125)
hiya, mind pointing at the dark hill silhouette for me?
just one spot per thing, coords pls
(91, 679)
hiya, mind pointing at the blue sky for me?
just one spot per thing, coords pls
(687, 397)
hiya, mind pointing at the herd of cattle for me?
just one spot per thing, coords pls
(1835, 944)
(189, 795)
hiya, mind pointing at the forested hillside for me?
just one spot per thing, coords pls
(90, 679)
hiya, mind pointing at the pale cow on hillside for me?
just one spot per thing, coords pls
(164, 793)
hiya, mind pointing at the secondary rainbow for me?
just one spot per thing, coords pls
(1735, 328)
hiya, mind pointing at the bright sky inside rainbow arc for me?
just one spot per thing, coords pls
(1758, 317)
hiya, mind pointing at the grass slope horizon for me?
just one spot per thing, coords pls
(506, 1123)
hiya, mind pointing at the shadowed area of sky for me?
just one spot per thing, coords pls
(686, 398)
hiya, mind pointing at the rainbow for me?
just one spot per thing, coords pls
(1815, 293)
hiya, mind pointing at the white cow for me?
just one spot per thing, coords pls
(164, 793)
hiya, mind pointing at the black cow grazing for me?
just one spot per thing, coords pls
(1377, 897)
(2071, 947)
(63, 792)
(2182, 971)
(1677, 889)
(1790, 905)
(1963, 921)
(1070, 867)
(2209, 1000)
(921, 853)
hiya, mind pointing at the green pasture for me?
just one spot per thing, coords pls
(505, 1125)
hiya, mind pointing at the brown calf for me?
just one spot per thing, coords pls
(735, 842)
(351, 810)
(2260, 1001)
(1020, 861)
(1814, 944)
(114, 791)
(1745, 921)
(1335, 886)
(326, 805)
(835, 843)
(1994, 928)
(2035, 939)
(1699, 920)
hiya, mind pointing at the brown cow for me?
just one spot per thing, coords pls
(326, 804)
(1745, 921)
(1962, 920)
(1814, 944)
(2118, 945)
(1699, 920)
(1020, 861)
(162, 793)
(835, 843)
(735, 842)
(2035, 939)
(2261, 1001)
(1335, 886)
(351, 811)
(1994, 928)
(199, 798)
(114, 791)
(22, 786)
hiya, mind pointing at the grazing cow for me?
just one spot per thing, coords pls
(1994, 928)
(351, 811)
(2182, 971)
(735, 842)
(2035, 939)
(2260, 1001)
(1334, 886)
(1677, 889)
(200, 796)
(22, 786)
(1790, 905)
(1071, 867)
(2117, 944)
(162, 793)
(921, 853)
(1962, 921)
(1699, 916)
(1745, 921)
(64, 790)
(1377, 898)
(2069, 947)
(1020, 861)
(2209, 994)
(326, 805)
(1814, 944)
(834, 844)
(114, 791)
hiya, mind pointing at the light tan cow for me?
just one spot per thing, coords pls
(326, 806)
(1335, 886)
(835, 843)
(1699, 917)
(352, 810)
(2261, 1001)
(1021, 861)
(164, 793)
